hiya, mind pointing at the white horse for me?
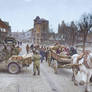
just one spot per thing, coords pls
(84, 70)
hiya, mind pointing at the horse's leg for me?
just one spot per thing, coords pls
(91, 79)
(82, 82)
(73, 77)
(87, 89)
(74, 74)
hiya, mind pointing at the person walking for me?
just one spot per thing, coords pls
(42, 54)
(73, 51)
(27, 48)
(6, 53)
(32, 47)
(49, 57)
(14, 50)
(36, 62)
(46, 54)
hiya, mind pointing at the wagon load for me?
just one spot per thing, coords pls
(64, 55)
(60, 51)
(57, 47)
(61, 58)
(25, 59)
(54, 47)
(15, 57)
(16, 62)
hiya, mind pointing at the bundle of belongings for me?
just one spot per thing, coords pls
(61, 50)
(24, 59)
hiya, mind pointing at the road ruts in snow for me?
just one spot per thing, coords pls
(46, 82)
(60, 82)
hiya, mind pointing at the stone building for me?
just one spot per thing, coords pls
(5, 30)
(32, 36)
(19, 36)
(41, 30)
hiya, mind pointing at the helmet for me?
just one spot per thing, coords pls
(37, 52)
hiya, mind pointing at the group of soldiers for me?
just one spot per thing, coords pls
(9, 51)
(39, 54)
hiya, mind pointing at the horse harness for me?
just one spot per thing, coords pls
(84, 55)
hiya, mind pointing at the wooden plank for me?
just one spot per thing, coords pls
(59, 59)
(68, 66)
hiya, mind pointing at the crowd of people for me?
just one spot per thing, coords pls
(45, 55)
(40, 54)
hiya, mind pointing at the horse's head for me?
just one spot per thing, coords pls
(74, 58)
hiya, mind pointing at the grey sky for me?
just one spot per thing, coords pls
(20, 13)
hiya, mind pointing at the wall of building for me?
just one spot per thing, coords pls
(5, 30)
(41, 30)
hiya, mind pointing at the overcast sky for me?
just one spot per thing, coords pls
(20, 13)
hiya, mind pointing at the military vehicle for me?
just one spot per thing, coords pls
(16, 62)
(6, 49)
(10, 40)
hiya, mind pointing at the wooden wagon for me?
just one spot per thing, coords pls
(61, 61)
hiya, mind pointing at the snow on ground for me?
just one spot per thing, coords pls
(48, 81)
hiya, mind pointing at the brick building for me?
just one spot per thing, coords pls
(40, 30)
(5, 30)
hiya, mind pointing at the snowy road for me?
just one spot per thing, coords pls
(46, 82)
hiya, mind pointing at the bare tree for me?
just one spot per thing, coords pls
(62, 30)
(85, 25)
(67, 32)
(74, 31)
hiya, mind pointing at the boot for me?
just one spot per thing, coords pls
(34, 74)
(38, 73)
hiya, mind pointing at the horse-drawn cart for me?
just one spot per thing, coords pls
(61, 61)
